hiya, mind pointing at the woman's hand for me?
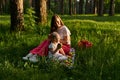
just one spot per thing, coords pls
(49, 36)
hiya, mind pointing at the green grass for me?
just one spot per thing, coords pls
(100, 62)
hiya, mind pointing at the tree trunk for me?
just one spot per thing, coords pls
(48, 4)
(1, 6)
(66, 7)
(81, 2)
(100, 7)
(70, 7)
(62, 7)
(87, 7)
(112, 8)
(74, 7)
(55, 6)
(95, 11)
(17, 19)
(92, 6)
(33, 3)
(41, 11)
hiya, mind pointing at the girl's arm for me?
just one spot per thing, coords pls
(53, 51)
(59, 47)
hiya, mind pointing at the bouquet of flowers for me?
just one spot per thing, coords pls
(84, 43)
(70, 61)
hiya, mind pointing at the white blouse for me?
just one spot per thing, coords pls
(53, 46)
(64, 31)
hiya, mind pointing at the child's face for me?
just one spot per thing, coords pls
(56, 39)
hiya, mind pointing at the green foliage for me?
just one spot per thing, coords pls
(30, 18)
(26, 5)
(30, 23)
(100, 62)
(50, 12)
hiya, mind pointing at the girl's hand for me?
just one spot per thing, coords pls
(59, 46)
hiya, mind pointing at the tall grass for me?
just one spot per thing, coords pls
(100, 62)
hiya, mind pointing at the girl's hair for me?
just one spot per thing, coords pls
(55, 35)
(53, 23)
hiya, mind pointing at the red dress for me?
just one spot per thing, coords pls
(42, 49)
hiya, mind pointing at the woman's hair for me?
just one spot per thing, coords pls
(53, 22)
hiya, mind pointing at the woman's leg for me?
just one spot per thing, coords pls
(42, 49)
(27, 56)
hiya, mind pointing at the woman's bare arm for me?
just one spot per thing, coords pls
(65, 40)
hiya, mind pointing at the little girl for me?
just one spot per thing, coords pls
(55, 51)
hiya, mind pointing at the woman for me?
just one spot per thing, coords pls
(42, 50)
(58, 26)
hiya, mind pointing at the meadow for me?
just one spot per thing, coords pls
(99, 62)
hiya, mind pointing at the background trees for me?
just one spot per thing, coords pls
(44, 7)
(16, 13)
(63, 6)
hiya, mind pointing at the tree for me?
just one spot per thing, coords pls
(62, 6)
(100, 7)
(66, 6)
(90, 6)
(4, 5)
(1, 6)
(81, 2)
(95, 11)
(16, 12)
(48, 4)
(70, 7)
(87, 7)
(112, 8)
(74, 6)
(41, 11)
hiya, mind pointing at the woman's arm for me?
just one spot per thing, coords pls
(65, 40)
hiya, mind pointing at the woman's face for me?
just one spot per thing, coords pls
(58, 23)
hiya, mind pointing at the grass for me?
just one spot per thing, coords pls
(100, 62)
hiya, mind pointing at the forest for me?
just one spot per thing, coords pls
(24, 24)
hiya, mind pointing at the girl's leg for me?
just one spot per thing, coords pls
(62, 58)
